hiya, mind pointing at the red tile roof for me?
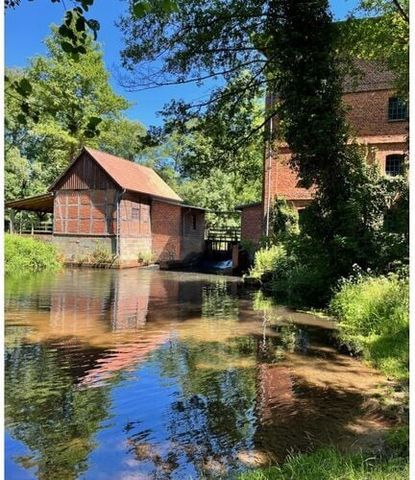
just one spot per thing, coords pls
(132, 176)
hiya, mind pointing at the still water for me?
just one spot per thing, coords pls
(142, 374)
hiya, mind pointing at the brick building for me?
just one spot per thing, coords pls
(125, 207)
(378, 120)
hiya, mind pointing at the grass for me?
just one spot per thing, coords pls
(373, 315)
(24, 255)
(329, 464)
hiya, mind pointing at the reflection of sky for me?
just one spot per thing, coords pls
(142, 401)
(13, 449)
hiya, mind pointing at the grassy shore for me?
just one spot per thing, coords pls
(373, 317)
(329, 464)
(23, 255)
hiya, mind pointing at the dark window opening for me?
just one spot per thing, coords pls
(135, 213)
(397, 109)
(194, 222)
(394, 165)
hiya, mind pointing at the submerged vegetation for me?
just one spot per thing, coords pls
(26, 255)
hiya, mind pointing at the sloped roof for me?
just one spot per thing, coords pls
(370, 75)
(37, 203)
(132, 176)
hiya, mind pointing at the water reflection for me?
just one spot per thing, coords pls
(145, 374)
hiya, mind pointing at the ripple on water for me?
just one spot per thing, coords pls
(138, 374)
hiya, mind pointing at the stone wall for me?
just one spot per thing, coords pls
(76, 248)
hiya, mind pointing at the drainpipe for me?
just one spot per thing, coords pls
(269, 169)
(118, 217)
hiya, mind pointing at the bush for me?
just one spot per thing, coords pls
(27, 255)
(145, 258)
(99, 256)
(267, 260)
(373, 314)
(329, 464)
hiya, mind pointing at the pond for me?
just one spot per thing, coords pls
(143, 374)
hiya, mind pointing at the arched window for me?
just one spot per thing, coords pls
(394, 165)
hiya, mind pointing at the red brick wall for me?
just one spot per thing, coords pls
(166, 226)
(251, 223)
(87, 212)
(367, 113)
(135, 216)
(173, 237)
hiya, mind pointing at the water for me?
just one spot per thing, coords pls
(141, 374)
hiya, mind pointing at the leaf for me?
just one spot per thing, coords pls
(67, 47)
(21, 119)
(141, 8)
(169, 6)
(25, 108)
(93, 122)
(80, 24)
(81, 49)
(24, 87)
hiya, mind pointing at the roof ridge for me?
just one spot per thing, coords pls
(90, 150)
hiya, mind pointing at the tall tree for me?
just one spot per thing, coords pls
(76, 106)
(382, 34)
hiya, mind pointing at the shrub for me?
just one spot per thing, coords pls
(145, 258)
(27, 255)
(267, 259)
(101, 254)
(373, 314)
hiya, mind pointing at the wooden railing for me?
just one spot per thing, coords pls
(226, 234)
(221, 239)
(38, 228)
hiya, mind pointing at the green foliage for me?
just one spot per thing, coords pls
(384, 36)
(101, 255)
(330, 464)
(373, 314)
(268, 260)
(26, 255)
(220, 191)
(283, 219)
(72, 98)
(145, 258)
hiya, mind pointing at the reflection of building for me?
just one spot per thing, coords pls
(115, 298)
(118, 318)
(125, 207)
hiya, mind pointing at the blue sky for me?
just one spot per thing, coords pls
(28, 25)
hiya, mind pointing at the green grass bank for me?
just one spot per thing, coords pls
(23, 255)
(373, 316)
(329, 464)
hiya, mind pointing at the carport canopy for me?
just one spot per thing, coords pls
(38, 203)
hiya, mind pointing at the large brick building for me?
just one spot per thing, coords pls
(125, 207)
(378, 119)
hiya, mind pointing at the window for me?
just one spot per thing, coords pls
(394, 164)
(135, 213)
(194, 222)
(397, 109)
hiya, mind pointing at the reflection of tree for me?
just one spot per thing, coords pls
(48, 412)
(218, 300)
(212, 417)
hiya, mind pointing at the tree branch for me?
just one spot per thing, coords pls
(404, 15)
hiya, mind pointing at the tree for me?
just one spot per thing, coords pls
(67, 94)
(382, 35)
